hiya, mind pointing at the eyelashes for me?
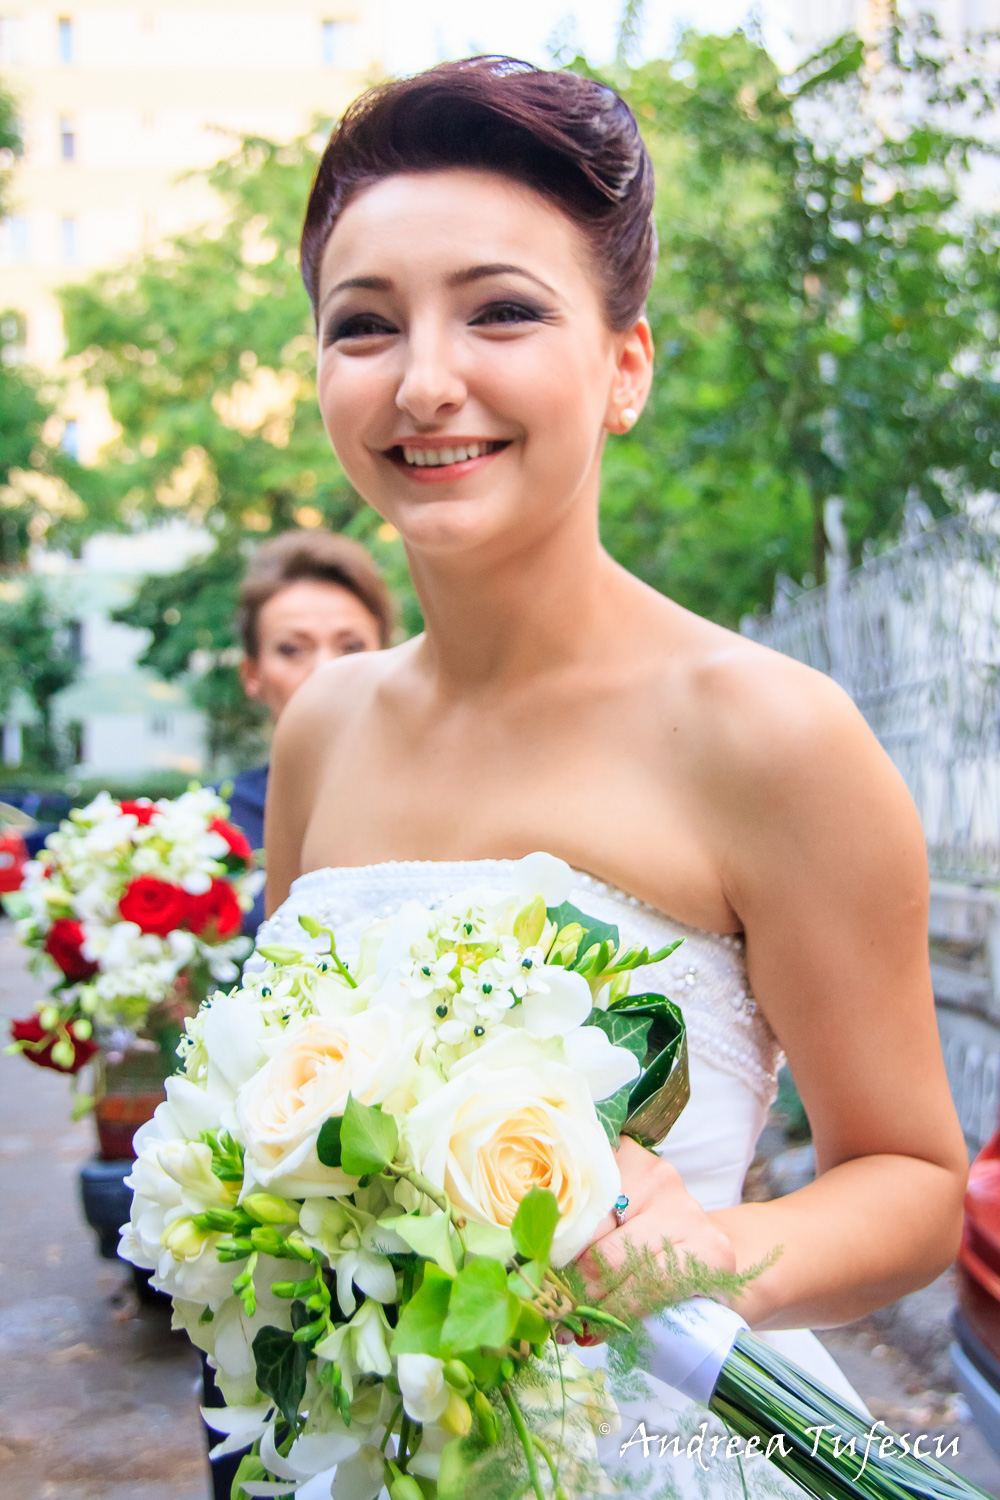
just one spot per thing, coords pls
(371, 326)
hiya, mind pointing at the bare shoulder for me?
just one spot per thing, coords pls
(785, 756)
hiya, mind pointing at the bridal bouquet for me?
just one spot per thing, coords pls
(370, 1180)
(131, 905)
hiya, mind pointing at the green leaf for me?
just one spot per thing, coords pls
(613, 1112)
(489, 1239)
(281, 1369)
(429, 1237)
(534, 1224)
(531, 1325)
(482, 1312)
(623, 1029)
(593, 930)
(422, 1318)
(328, 1147)
(250, 1468)
(369, 1139)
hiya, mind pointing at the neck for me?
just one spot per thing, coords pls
(516, 612)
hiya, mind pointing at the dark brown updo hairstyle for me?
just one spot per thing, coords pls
(569, 138)
(320, 557)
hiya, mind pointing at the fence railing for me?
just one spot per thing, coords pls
(914, 636)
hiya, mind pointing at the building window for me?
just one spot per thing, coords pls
(65, 29)
(17, 240)
(11, 53)
(77, 744)
(161, 724)
(13, 338)
(71, 438)
(67, 139)
(68, 239)
(337, 49)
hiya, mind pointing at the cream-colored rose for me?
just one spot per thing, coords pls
(282, 1109)
(491, 1134)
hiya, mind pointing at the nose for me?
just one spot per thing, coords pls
(432, 383)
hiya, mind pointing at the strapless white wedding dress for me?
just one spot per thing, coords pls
(734, 1061)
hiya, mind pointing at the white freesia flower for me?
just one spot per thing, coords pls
(283, 1107)
(422, 1386)
(242, 1425)
(355, 1244)
(361, 1477)
(542, 874)
(603, 1067)
(360, 1346)
(489, 1135)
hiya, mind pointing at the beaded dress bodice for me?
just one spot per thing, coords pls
(734, 1057)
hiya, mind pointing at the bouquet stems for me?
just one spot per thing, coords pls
(828, 1448)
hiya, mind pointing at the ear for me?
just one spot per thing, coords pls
(632, 380)
(250, 677)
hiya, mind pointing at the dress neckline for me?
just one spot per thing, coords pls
(583, 877)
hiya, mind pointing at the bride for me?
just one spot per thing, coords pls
(478, 247)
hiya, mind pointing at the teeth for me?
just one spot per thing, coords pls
(440, 457)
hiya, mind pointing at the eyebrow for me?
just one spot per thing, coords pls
(457, 278)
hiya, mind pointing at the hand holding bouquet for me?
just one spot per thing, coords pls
(129, 904)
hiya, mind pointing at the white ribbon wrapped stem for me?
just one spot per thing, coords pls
(691, 1345)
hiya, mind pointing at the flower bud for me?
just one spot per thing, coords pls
(458, 1376)
(489, 1422)
(405, 1488)
(529, 922)
(566, 945)
(268, 1209)
(183, 1239)
(63, 1053)
(618, 987)
(82, 1029)
(49, 1017)
(267, 1240)
(456, 1419)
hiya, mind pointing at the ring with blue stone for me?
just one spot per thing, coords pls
(621, 1204)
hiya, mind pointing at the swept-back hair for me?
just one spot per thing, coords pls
(569, 138)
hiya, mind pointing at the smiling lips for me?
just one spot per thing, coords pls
(465, 452)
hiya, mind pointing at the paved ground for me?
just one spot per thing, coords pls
(96, 1394)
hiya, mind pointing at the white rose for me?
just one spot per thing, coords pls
(490, 1134)
(282, 1109)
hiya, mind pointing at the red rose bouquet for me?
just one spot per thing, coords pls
(130, 907)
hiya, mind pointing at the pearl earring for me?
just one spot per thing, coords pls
(630, 416)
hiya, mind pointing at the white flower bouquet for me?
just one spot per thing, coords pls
(129, 906)
(369, 1182)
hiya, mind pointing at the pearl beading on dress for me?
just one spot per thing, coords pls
(706, 976)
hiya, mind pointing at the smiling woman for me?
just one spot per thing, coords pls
(478, 247)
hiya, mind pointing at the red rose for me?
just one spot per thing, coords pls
(40, 1043)
(143, 812)
(237, 841)
(153, 905)
(64, 945)
(216, 913)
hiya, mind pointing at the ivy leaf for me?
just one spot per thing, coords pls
(482, 1313)
(281, 1368)
(534, 1224)
(422, 1318)
(623, 1029)
(369, 1139)
(328, 1147)
(613, 1112)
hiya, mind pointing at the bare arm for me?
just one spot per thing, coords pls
(829, 877)
(823, 860)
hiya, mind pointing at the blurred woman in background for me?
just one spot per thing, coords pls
(306, 598)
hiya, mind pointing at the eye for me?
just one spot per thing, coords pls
(354, 644)
(507, 312)
(287, 649)
(358, 326)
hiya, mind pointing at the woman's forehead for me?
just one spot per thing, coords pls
(447, 221)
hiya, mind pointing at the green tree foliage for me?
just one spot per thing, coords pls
(825, 312)
(36, 656)
(41, 487)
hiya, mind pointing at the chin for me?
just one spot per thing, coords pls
(442, 528)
